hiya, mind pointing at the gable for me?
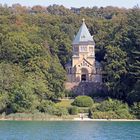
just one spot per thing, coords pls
(84, 63)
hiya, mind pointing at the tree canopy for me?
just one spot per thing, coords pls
(35, 45)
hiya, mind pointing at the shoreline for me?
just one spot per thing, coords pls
(74, 119)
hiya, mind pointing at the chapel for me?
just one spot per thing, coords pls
(83, 66)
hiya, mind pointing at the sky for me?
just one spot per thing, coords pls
(75, 3)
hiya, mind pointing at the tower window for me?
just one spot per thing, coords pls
(83, 48)
(75, 49)
(91, 49)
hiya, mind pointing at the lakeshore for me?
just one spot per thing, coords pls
(67, 119)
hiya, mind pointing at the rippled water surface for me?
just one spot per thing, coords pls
(35, 130)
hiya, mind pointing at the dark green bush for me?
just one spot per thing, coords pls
(83, 101)
(73, 110)
(135, 110)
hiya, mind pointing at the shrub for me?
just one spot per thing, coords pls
(60, 111)
(83, 110)
(111, 109)
(111, 105)
(46, 106)
(73, 110)
(122, 114)
(50, 108)
(104, 115)
(135, 110)
(134, 95)
(83, 101)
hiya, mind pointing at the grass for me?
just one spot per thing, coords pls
(65, 103)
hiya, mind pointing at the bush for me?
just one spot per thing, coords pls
(111, 115)
(135, 110)
(60, 111)
(46, 106)
(134, 95)
(111, 105)
(83, 110)
(123, 114)
(83, 101)
(104, 115)
(50, 108)
(73, 110)
(111, 109)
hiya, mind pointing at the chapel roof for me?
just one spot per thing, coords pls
(83, 35)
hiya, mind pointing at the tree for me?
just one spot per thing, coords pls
(115, 68)
(134, 95)
(16, 48)
(134, 55)
(23, 98)
(135, 109)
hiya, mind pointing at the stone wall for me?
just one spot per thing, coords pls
(85, 88)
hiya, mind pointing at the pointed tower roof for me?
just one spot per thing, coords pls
(83, 35)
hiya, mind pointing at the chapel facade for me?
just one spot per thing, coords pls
(83, 66)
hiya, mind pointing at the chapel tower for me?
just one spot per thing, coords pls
(83, 67)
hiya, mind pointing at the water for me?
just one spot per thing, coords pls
(35, 130)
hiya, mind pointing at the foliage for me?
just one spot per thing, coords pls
(65, 103)
(60, 111)
(35, 45)
(111, 109)
(135, 109)
(3, 102)
(115, 66)
(73, 110)
(134, 95)
(83, 101)
(50, 108)
(83, 109)
(45, 106)
(23, 99)
(104, 115)
(112, 105)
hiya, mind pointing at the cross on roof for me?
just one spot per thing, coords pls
(83, 20)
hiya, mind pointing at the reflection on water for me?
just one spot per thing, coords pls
(35, 130)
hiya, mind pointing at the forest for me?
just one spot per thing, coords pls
(35, 45)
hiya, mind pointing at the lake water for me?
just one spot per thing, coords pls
(39, 130)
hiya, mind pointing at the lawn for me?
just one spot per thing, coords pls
(65, 103)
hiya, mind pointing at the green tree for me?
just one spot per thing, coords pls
(136, 110)
(115, 68)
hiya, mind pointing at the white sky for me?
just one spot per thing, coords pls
(76, 3)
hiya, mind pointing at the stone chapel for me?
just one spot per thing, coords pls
(83, 67)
